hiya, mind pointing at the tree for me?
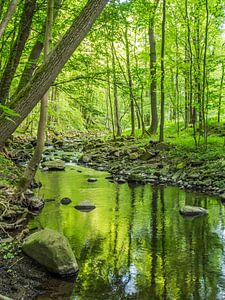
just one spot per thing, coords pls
(153, 84)
(8, 16)
(162, 120)
(30, 95)
(37, 156)
(17, 49)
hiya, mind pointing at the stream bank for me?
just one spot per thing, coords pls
(128, 160)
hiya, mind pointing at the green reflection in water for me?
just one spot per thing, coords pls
(135, 245)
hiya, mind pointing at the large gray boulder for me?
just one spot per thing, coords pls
(192, 211)
(52, 250)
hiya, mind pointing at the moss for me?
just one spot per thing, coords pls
(9, 172)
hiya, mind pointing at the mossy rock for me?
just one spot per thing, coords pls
(54, 165)
(136, 178)
(52, 250)
(192, 211)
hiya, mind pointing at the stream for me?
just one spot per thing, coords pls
(135, 244)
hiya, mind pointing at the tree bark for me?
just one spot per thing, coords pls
(17, 49)
(31, 64)
(162, 120)
(153, 85)
(11, 10)
(28, 97)
(37, 156)
(221, 93)
(115, 93)
(130, 81)
(204, 75)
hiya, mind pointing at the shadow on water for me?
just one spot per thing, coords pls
(134, 245)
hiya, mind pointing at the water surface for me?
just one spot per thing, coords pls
(135, 244)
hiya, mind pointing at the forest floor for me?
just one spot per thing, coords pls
(133, 160)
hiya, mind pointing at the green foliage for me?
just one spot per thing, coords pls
(8, 111)
(8, 250)
(8, 172)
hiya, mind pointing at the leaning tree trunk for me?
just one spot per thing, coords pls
(28, 97)
(36, 159)
(17, 49)
(11, 10)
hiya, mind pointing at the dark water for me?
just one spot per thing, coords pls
(134, 245)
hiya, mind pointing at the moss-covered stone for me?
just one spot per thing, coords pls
(52, 250)
(54, 165)
(191, 211)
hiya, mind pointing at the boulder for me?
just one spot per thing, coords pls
(52, 250)
(192, 211)
(85, 206)
(54, 165)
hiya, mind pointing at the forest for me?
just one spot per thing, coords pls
(126, 97)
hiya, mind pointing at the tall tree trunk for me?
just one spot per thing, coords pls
(16, 52)
(109, 90)
(11, 10)
(130, 81)
(191, 108)
(153, 85)
(115, 93)
(186, 83)
(162, 120)
(31, 64)
(198, 90)
(177, 87)
(204, 77)
(221, 93)
(36, 159)
(28, 97)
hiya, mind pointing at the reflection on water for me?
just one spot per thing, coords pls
(135, 245)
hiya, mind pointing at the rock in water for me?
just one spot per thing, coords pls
(192, 211)
(54, 165)
(66, 201)
(85, 206)
(52, 250)
(35, 203)
(92, 179)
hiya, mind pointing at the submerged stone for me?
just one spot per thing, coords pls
(50, 200)
(66, 201)
(52, 250)
(92, 179)
(85, 206)
(192, 211)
